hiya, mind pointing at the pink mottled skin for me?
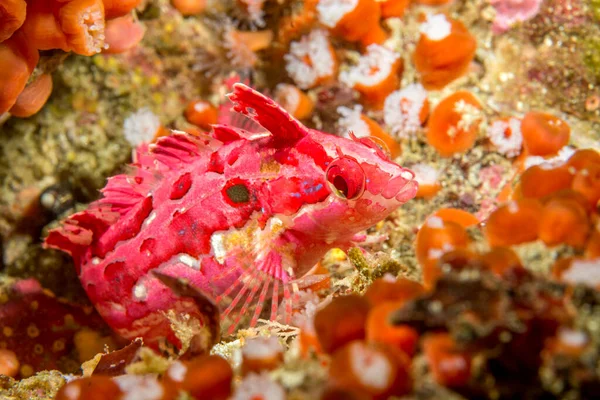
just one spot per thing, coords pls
(242, 216)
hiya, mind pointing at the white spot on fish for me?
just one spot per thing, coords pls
(218, 247)
(190, 261)
(140, 292)
(149, 219)
(96, 261)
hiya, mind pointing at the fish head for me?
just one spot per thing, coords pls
(363, 185)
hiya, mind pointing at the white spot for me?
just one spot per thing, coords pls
(149, 219)
(425, 174)
(255, 386)
(373, 67)
(96, 261)
(435, 222)
(140, 292)
(370, 366)
(352, 121)
(316, 48)
(200, 106)
(586, 272)
(72, 392)
(512, 207)
(177, 371)
(139, 387)
(218, 247)
(140, 127)
(572, 337)
(436, 27)
(332, 11)
(190, 261)
(262, 348)
(402, 109)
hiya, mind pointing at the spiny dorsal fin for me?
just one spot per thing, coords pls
(226, 134)
(284, 128)
(181, 147)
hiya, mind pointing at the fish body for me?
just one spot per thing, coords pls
(239, 215)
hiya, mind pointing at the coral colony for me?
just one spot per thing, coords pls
(303, 199)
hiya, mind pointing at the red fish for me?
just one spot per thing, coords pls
(239, 215)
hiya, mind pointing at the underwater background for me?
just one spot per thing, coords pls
(477, 278)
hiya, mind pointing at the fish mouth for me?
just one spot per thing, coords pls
(402, 187)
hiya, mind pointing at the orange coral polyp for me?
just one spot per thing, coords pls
(33, 97)
(83, 23)
(189, 7)
(380, 329)
(393, 8)
(42, 28)
(583, 158)
(500, 260)
(587, 182)
(539, 181)
(435, 238)
(205, 377)
(94, 387)
(454, 123)
(356, 23)
(544, 134)
(441, 61)
(341, 321)
(202, 114)
(373, 369)
(461, 217)
(12, 16)
(294, 100)
(17, 61)
(122, 34)
(376, 76)
(513, 223)
(397, 291)
(118, 8)
(450, 367)
(564, 220)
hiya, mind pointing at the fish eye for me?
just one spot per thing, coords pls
(346, 178)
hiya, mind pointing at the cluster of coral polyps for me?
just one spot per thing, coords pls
(84, 27)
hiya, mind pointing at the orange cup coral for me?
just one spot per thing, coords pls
(311, 60)
(12, 16)
(17, 61)
(352, 20)
(454, 123)
(449, 366)
(294, 100)
(341, 321)
(435, 238)
(189, 7)
(373, 369)
(202, 114)
(544, 134)
(515, 222)
(564, 220)
(444, 51)
(33, 97)
(376, 75)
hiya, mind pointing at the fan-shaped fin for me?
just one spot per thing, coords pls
(270, 115)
